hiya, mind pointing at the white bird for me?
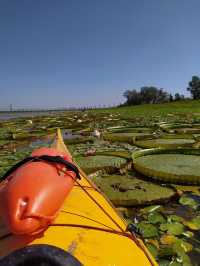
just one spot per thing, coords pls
(96, 133)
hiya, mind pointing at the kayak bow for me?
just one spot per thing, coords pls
(87, 226)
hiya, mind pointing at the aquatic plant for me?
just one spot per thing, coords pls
(169, 165)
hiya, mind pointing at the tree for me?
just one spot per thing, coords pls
(133, 97)
(146, 95)
(162, 96)
(177, 97)
(171, 98)
(194, 87)
(154, 95)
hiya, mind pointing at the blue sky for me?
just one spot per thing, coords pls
(87, 52)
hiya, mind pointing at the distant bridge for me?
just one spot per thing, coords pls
(40, 110)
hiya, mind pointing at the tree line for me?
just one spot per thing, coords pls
(153, 95)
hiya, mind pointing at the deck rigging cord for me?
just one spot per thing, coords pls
(54, 160)
(128, 233)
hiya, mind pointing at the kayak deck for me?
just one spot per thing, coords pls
(88, 227)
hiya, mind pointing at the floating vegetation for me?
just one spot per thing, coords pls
(168, 237)
(109, 164)
(172, 127)
(79, 140)
(124, 137)
(131, 130)
(169, 165)
(131, 191)
(164, 143)
(167, 215)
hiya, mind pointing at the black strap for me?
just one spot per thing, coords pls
(46, 158)
(132, 228)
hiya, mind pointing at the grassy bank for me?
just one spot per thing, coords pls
(155, 109)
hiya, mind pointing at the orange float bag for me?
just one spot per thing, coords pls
(35, 189)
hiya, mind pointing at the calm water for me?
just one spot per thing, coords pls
(11, 115)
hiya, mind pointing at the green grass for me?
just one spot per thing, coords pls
(188, 106)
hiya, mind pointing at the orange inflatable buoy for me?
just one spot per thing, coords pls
(31, 195)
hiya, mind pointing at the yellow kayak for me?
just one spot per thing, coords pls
(88, 227)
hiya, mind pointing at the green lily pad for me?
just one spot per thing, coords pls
(153, 250)
(167, 239)
(188, 234)
(187, 200)
(196, 222)
(164, 143)
(127, 190)
(187, 247)
(180, 248)
(148, 230)
(124, 137)
(164, 262)
(166, 251)
(173, 228)
(92, 164)
(174, 218)
(175, 263)
(180, 165)
(155, 218)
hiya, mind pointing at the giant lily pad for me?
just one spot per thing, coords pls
(130, 191)
(131, 129)
(176, 166)
(124, 137)
(164, 143)
(92, 164)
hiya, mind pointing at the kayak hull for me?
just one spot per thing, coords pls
(88, 227)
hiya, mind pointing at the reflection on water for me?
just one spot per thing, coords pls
(68, 134)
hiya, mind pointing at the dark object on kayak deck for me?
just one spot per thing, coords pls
(39, 255)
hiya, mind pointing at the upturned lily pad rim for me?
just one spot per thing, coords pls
(162, 175)
(164, 142)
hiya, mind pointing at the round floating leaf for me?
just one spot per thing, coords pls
(196, 222)
(124, 137)
(175, 263)
(167, 239)
(155, 218)
(164, 143)
(164, 227)
(173, 228)
(174, 218)
(180, 247)
(188, 234)
(184, 188)
(131, 191)
(191, 225)
(153, 242)
(164, 262)
(166, 251)
(153, 250)
(187, 200)
(91, 164)
(175, 166)
(148, 230)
